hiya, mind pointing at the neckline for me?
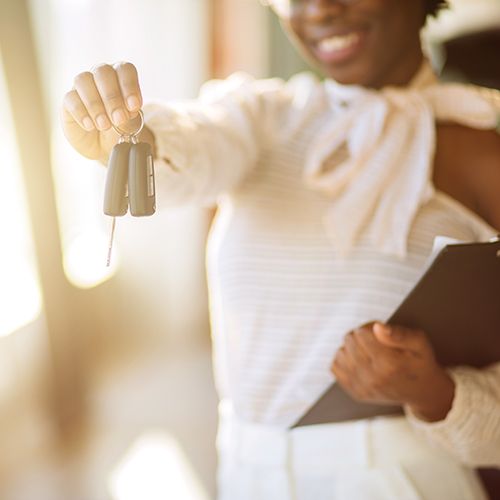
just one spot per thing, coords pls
(424, 77)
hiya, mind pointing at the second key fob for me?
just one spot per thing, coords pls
(141, 180)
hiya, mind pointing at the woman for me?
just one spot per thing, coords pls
(330, 195)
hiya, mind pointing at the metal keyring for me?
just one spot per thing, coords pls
(131, 134)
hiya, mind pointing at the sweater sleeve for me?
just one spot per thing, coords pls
(207, 146)
(471, 430)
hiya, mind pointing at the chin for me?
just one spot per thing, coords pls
(360, 70)
(349, 74)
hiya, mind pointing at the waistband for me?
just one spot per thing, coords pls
(369, 442)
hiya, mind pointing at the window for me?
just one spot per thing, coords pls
(20, 296)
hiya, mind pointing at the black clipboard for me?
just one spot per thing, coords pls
(457, 303)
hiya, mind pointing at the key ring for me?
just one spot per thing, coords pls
(129, 135)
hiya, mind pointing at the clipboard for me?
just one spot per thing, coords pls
(456, 302)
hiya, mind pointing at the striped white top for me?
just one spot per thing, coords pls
(281, 297)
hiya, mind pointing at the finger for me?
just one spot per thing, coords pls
(401, 337)
(341, 368)
(348, 379)
(106, 81)
(369, 343)
(371, 356)
(357, 351)
(128, 80)
(343, 362)
(89, 95)
(75, 111)
(383, 357)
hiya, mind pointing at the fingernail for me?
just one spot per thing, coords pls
(385, 329)
(118, 116)
(133, 103)
(102, 122)
(88, 124)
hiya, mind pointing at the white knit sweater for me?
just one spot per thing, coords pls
(284, 287)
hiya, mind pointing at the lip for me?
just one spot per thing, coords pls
(341, 55)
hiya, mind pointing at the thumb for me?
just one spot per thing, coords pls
(400, 337)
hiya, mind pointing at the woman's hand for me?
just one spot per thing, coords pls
(389, 364)
(99, 98)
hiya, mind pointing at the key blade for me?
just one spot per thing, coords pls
(111, 239)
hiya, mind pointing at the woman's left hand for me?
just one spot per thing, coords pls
(389, 364)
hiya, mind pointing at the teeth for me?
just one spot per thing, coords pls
(338, 42)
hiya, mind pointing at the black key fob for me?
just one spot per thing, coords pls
(141, 180)
(116, 191)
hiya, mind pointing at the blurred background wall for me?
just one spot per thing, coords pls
(105, 375)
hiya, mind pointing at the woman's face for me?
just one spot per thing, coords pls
(366, 42)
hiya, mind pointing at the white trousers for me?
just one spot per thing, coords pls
(374, 459)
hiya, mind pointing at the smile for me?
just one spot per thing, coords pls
(335, 43)
(339, 48)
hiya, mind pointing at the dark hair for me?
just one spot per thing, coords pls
(432, 7)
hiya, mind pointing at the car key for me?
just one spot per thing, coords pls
(116, 190)
(130, 179)
(141, 181)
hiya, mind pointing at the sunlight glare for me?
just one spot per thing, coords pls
(20, 295)
(85, 259)
(155, 468)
